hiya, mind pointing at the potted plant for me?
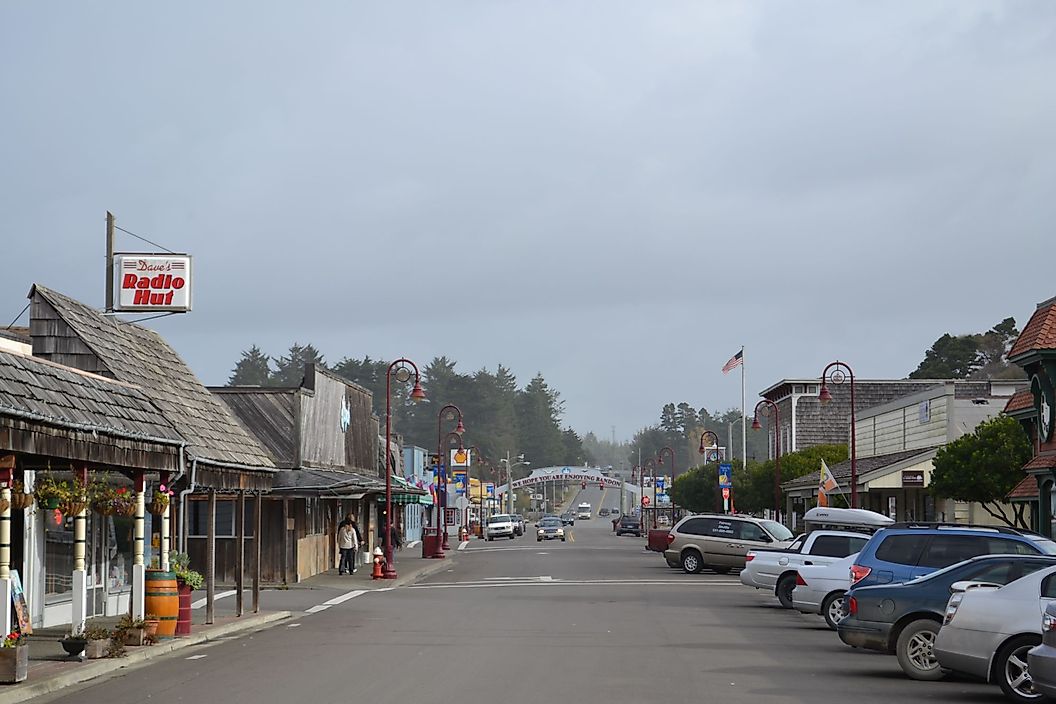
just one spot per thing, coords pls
(14, 658)
(74, 643)
(19, 498)
(187, 581)
(48, 492)
(132, 630)
(97, 641)
(70, 497)
(159, 501)
(150, 629)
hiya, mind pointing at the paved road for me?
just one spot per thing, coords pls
(522, 622)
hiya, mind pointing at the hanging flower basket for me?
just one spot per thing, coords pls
(103, 508)
(72, 507)
(21, 500)
(158, 507)
(4, 505)
(125, 508)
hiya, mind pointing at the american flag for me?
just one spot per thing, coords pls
(735, 361)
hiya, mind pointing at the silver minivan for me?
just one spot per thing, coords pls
(720, 542)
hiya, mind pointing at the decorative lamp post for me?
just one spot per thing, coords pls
(775, 411)
(402, 369)
(652, 465)
(703, 449)
(452, 411)
(660, 461)
(838, 372)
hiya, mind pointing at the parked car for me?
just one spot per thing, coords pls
(550, 529)
(987, 631)
(568, 518)
(499, 526)
(832, 534)
(904, 618)
(720, 542)
(629, 525)
(1041, 661)
(820, 589)
(905, 551)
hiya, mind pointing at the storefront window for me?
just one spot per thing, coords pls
(58, 554)
(226, 513)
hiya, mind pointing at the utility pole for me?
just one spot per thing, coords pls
(109, 262)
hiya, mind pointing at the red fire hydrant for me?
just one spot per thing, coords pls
(379, 560)
(463, 534)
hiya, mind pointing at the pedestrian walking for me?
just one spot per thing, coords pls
(348, 543)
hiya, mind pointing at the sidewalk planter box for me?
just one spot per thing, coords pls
(96, 649)
(14, 664)
(135, 636)
(183, 623)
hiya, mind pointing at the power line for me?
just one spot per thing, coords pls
(117, 227)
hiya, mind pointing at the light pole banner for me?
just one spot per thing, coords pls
(461, 479)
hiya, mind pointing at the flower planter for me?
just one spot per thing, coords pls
(135, 636)
(50, 502)
(96, 649)
(73, 646)
(4, 505)
(72, 508)
(151, 629)
(158, 507)
(14, 664)
(21, 500)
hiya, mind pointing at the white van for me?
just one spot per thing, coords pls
(583, 511)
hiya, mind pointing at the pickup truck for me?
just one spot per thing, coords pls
(776, 569)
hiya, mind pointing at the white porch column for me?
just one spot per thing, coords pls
(139, 572)
(166, 524)
(5, 556)
(80, 575)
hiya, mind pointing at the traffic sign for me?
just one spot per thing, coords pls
(725, 492)
(645, 501)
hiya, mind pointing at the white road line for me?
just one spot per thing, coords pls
(344, 597)
(546, 578)
(556, 583)
(317, 609)
(293, 625)
(201, 602)
(463, 544)
(196, 657)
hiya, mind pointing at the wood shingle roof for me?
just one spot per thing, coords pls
(69, 332)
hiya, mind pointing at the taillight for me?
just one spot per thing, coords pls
(858, 573)
(749, 557)
(852, 606)
(800, 582)
(670, 538)
(951, 607)
(1048, 623)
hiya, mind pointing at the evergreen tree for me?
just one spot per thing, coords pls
(289, 369)
(254, 369)
(539, 411)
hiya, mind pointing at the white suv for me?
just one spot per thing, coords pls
(499, 526)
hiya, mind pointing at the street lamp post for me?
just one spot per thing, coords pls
(649, 463)
(703, 449)
(453, 412)
(402, 368)
(841, 372)
(660, 461)
(775, 410)
(521, 462)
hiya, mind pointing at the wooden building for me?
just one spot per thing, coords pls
(323, 438)
(220, 458)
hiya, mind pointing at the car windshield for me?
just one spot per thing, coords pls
(500, 518)
(550, 523)
(1046, 546)
(777, 530)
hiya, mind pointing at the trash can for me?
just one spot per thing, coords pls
(430, 542)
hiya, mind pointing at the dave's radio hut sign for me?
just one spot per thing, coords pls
(153, 282)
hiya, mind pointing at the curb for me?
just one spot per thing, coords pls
(99, 668)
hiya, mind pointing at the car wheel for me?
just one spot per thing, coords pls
(538, 540)
(721, 570)
(692, 562)
(562, 540)
(1010, 669)
(916, 650)
(785, 585)
(832, 609)
(490, 539)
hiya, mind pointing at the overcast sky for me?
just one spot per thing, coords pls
(616, 194)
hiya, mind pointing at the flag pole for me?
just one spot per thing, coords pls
(744, 416)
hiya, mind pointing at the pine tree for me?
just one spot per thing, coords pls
(254, 369)
(289, 369)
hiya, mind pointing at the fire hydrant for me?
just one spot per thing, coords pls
(379, 560)
(463, 534)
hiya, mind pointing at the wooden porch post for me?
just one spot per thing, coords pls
(166, 523)
(240, 554)
(139, 574)
(210, 558)
(285, 541)
(80, 574)
(258, 540)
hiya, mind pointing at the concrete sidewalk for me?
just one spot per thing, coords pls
(51, 670)
(410, 567)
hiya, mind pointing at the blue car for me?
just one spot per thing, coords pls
(905, 551)
(904, 618)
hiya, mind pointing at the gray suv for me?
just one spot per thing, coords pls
(720, 542)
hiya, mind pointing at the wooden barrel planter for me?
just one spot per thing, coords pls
(183, 624)
(163, 600)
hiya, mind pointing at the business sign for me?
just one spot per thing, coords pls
(460, 457)
(151, 282)
(490, 488)
(912, 477)
(573, 476)
(461, 480)
(725, 475)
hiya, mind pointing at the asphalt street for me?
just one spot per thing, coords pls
(594, 619)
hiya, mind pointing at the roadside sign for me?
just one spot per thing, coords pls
(645, 501)
(725, 475)
(725, 493)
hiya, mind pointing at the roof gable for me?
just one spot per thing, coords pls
(1039, 333)
(140, 356)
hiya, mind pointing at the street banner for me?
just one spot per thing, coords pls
(461, 479)
(490, 488)
(725, 475)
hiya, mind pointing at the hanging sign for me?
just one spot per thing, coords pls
(460, 457)
(725, 475)
(153, 282)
